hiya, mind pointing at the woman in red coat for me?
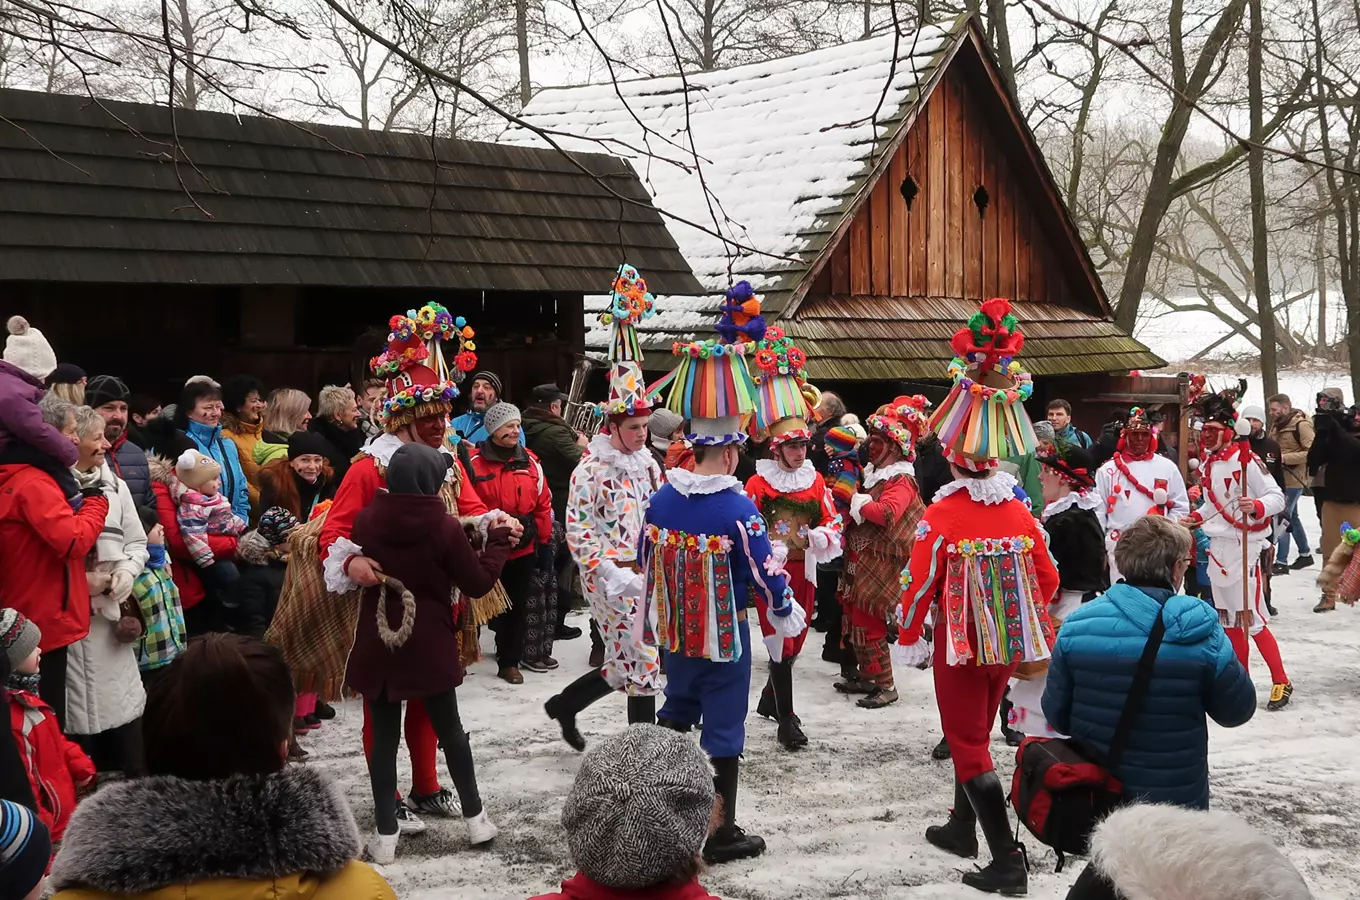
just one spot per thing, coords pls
(411, 536)
(509, 478)
(43, 544)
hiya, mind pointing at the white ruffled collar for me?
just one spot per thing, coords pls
(999, 488)
(636, 464)
(384, 445)
(784, 481)
(1080, 499)
(873, 476)
(689, 484)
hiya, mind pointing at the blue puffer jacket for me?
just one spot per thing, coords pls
(1196, 674)
(209, 440)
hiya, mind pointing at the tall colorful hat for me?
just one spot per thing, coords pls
(784, 399)
(420, 381)
(712, 389)
(983, 418)
(901, 422)
(629, 303)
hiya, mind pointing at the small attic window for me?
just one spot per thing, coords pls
(909, 190)
(980, 199)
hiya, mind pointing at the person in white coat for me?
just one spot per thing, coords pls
(104, 694)
(1136, 482)
(1241, 501)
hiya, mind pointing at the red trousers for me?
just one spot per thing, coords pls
(420, 742)
(1270, 651)
(969, 697)
(805, 595)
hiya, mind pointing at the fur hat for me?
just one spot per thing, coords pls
(18, 636)
(1157, 852)
(640, 807)
(28, 349)
(500, 415)
(194, 470)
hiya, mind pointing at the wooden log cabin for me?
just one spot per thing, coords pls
(874, 194)
(256, 245)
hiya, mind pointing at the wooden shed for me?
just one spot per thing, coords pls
(257, 245)
(890, 184)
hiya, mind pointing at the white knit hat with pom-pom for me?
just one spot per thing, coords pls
(28, 349)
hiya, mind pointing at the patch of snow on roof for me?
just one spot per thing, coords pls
(780, 143)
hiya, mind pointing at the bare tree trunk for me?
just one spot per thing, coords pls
(1256, 171)
(1001, 40)
(526, 92)
(868, 18)
(708, 63)
(1322, 286)
(1158, 196)
(189, 91)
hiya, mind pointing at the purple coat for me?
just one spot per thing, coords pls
(414, 539)
(20, 418)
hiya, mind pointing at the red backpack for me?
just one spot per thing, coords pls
(1061, 790)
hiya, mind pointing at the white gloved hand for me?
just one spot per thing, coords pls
(900, 616)
(99, 583)
(857, 503)
(120, 585)
(911, 655)
(636, 585)
(789, 620)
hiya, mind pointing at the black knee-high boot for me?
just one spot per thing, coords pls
(729, 842)
(1008, 872)
(766, 708)
(790, 726)
(641, 709)
(575, 697)
(959, 834)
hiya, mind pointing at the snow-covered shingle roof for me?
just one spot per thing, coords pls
(782, 145)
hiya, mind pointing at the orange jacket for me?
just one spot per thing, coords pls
(517, 487)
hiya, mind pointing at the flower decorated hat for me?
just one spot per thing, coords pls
(420, 381)
(784, 399)
(630, 303)
(712, 389)
(983, 420)
(901, 422)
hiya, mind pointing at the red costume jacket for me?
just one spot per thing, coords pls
(987, 566)
(55, 765)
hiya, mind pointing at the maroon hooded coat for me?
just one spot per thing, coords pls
(414, 539)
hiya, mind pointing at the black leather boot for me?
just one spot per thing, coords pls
(641, 709)
(729, 842)
(766, 708)
(959, 834)
(790, 726)
(575, 697)
(1008, 872)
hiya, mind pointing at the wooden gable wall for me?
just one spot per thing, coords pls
(940, 246)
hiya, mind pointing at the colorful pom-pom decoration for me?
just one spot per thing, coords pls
(1350, 534)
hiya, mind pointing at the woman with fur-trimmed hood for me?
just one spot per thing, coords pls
(222, 816)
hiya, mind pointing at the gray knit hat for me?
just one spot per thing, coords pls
(18, 636)
(1043, 430)
(499, 415)
(663, 422)
(640, 808)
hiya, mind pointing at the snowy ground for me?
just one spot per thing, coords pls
(845, 817)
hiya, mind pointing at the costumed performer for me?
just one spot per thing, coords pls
(796, 503)
(1137, 481)
(981, 556)
(316, 632)
(1077, 544)
(879, 541)
(1241, 501)
(609, 491)
(707, 558)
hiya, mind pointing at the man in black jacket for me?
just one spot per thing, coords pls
(558, 448)
(1335, 459)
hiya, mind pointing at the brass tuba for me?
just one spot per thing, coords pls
(580, 414)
